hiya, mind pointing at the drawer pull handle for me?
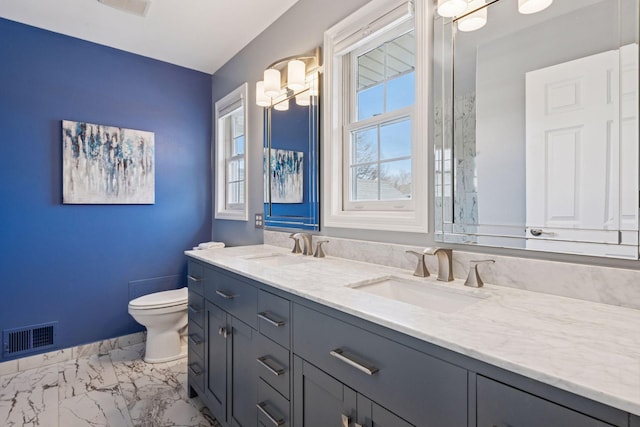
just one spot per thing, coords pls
(225, 294)
(224, 332)
(265, 316)
(194, 310)
(367, 368)
(195, 339)
(263, 408)
(264, 361)
(195, 369)
(346, 420)
(194, 278)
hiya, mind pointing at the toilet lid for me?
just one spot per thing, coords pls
(161, 299)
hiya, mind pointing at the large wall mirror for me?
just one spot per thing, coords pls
(291, 159)
(536, 128)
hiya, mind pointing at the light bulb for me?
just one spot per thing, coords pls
(303, 99)
(282, 105)
(449, 8)
(475, 20)
(271, 82)
(296, 71)
(533, 6)
(261, 99)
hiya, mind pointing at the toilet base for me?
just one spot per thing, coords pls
(166, 359)
(164, 346)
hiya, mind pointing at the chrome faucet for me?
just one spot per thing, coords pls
(445, 262)
(308, 243)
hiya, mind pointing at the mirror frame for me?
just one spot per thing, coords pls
(276, 218)
(447, 229)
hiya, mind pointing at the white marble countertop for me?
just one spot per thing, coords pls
(589, 349)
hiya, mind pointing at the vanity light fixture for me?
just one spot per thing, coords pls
(269, 91)
(533, 6)
(475, 20)
(474, 15)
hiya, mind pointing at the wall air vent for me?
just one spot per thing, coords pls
(29, 339)
(135, 7)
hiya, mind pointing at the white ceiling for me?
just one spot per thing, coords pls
(197, 34)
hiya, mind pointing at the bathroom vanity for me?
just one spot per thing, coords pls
(291, 340)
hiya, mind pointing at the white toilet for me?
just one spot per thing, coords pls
(164, 314)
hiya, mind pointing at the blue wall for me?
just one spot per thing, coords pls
(73, 263)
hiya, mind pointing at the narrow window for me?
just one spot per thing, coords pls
(231, 177)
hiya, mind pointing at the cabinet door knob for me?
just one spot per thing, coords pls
(224, 332)
(262, 407)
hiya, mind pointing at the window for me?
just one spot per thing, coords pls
(375, 126)
(231, 159)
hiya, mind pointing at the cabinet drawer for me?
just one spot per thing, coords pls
(232, 295)
(425, 390)
(196, 308)
(273, 365)
(502, 405)
(195, 369)
(195, 277)
(273, 317)
(196, 339)
(273, 409)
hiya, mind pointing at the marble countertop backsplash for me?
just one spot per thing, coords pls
(607, 285)
(587, 348)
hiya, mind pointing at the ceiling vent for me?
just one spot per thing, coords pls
(135, 7)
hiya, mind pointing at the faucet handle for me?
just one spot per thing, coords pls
(421, 268)
(474, 280)
(319, 251)
(296, 245)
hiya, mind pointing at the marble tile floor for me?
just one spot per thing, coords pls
(115, 389)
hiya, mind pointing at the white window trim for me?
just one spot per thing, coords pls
(240, 94)
(349, 34)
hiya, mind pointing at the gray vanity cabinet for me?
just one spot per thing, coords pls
(501, 405)
(320, 401)
(260, 357)
(423, 389)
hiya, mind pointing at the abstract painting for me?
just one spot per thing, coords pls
(286, 176)
(107, 164)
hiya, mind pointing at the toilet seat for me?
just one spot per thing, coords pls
(162, 299)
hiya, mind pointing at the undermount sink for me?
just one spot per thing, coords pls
(276, 259)
(417, 293)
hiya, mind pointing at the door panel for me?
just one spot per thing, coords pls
(216, 379)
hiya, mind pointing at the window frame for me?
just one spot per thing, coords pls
(224, 108)
(377, 22)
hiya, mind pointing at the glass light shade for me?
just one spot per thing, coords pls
(449, 8)
(303, 99)
(532, 6)
(475, 20)
(296, 71)
(272, 82)
(261, 99)
(282, 105)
